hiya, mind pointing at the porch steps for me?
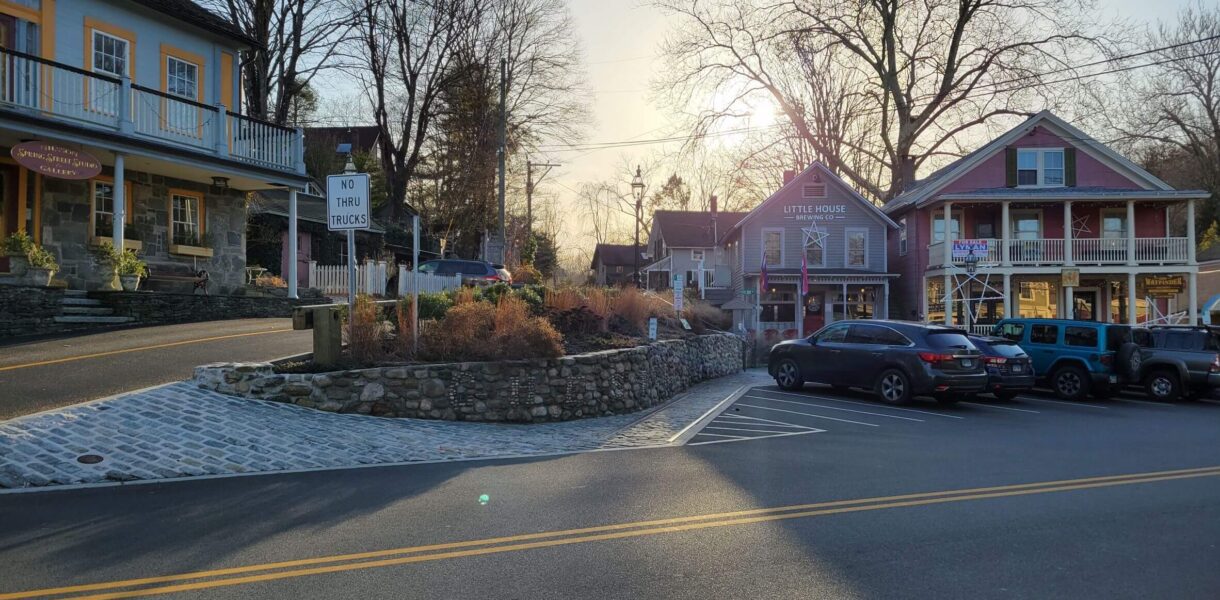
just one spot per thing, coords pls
(77, 308)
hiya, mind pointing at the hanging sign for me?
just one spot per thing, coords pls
(964, 248)
(1071, 277)
(1164, 286)
(347, 202)
(56, 161)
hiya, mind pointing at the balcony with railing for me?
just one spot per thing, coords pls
(51, 90)
(1082, 251)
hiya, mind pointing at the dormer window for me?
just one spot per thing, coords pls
(1040, 167)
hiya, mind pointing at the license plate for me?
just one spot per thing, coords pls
(966, 362)
(1114, 379)
(1017, 368)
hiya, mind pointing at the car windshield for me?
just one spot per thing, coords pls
(949, 340)
(1004, 348)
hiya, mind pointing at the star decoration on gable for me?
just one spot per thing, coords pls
(1080, 226)
(814, 235)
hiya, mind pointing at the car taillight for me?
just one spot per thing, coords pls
(1106, 359)
(492, 277)
(995, 360)
(935, 357)
(1215, 364)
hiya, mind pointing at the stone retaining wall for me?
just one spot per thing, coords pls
(28, 310)
(162, 307)
(573, 387)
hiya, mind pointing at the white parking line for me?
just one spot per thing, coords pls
(1160, 404)
(718, 428)
(1026, 410)
(750, 439)
(736, 437)
(922, 412)
(834, 408)
(1063, 402)
(793, 412)
(774, 423)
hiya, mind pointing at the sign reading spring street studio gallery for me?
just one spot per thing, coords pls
(347, 202)
(56, 161)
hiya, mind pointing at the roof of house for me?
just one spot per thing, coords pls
(616, 254)
(693, 228)
(923, 189)
(309, 207)
(1090, 192)
(189, 12)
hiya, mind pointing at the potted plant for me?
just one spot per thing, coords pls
(130, 269)
(42, 266)
(16, 247)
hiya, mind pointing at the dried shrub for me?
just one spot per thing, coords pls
(269, 280)
(404, 341)
(632, 307)
(364, 332)
(519, 335)
(575, 321)
(598, 301)
(562, 299)
(461, 335)
(464, 295)
(703, 316)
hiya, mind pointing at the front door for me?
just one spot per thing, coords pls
(1085, 305)
(815, 312)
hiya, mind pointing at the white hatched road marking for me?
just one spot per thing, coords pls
(1025, 410)
(745, 424)
(1063, 402)
(718, 428)
(736, 437)
(851, 410)
(793, 412)
(877, 406)
(764, 437)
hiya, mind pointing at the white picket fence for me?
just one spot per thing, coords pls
(332, 279)
(427, 282)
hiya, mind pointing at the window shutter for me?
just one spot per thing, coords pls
(1010, 167)
(1069, 167)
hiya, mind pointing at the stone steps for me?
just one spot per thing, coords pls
(72, 301)
(86, 310)
(92, 319)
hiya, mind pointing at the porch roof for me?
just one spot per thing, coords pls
(660, 265)
(1073, 193)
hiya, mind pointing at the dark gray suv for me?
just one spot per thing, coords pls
(898, 360)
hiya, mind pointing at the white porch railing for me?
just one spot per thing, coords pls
(1034, 252)
(332, 279)
(936, 253)
(427, 282)
(1085, 251)
(981, 329)
(1100, 251)
(1162, 250)
(51, 90)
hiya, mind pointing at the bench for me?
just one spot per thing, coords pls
(172, 278)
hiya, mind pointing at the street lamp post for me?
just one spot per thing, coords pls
(637, 190)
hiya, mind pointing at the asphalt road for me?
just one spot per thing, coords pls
(1069, 535)
(45, 374)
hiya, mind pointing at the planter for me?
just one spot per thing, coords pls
(39, 277)
(130, 282)
(197, 251)
(17, 265)
(136, 245)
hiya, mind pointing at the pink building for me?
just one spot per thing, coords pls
(1056, 224)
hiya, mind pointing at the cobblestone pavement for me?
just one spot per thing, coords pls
(178, 430)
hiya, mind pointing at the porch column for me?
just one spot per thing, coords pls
(1190, 232)
(948, 299)
(923, 313)
(120, 203)
(1007, 294)
(1005, 231)
(948, 237)
(1067, 234)
(1131, 315)
(292, 243)
(1193, 292)
(845, 300)
(800, 311)
(1069, 302)
(885, 299)
(1130, 231)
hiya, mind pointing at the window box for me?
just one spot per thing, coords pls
(98, 240)
(185, 250)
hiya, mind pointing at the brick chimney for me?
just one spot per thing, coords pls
(789, 175)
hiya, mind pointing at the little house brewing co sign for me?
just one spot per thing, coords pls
(56, 161)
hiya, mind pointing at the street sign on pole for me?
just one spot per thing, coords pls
(678, 282)
(347, 209)
(652, 328)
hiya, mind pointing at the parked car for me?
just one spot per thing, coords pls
(1076, 358)
(1009, 369)
(897, 360)
(1178, 361)
(474, 272)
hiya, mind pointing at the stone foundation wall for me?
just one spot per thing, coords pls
(28, 310)
(573, 387)
(160, 307)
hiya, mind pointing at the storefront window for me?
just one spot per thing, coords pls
(936, 301)
(859, 304)
(1037, 299)
(778, 305)
(103, 209)
(1118, 304)
(987, 304)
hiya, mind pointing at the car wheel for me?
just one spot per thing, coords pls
(1070, 383)
(1162, 386)
(894, 387)
(788, 375)
(1006, 395)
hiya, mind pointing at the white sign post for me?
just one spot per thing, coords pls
(678, 283)
(652, 328)
(348, 208)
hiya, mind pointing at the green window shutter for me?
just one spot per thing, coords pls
(1069, 167)
(1010, 167)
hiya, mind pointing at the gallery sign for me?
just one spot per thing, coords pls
(56, 161)
(1164, 286)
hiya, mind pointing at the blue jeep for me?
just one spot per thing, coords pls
(1076, 358)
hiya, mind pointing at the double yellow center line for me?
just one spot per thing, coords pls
(200, 580)
(55, 361)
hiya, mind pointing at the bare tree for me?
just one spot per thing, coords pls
(923, 72)
(296, 40)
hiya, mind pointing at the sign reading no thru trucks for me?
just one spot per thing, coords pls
(347, 201)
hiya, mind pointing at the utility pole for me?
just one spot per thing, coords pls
(503, 151)
(529, 189)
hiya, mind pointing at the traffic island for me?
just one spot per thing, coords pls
(594, 384)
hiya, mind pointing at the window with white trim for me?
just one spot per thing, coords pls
(938, 226)
(1040, 167)
(110, 54)
(902, 236)
(103, 209)
(696, 254)
(773, 247)
(1114, 223)
(182, 80)
(857, 249)
(184, 222)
